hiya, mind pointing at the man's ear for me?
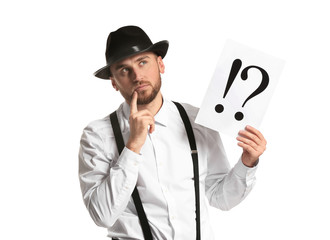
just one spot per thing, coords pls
(161, 65)
(113, 82)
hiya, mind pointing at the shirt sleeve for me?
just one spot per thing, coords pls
(226, 187)
(107, 180)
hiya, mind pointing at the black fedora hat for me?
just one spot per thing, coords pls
(126, 42)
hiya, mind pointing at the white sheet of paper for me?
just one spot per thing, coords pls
(258, 67)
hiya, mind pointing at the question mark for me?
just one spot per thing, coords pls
(263, 85)
(244, 76)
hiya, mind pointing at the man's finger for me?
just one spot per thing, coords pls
(134, 103)
(249, 135)
(152, 127)
(255, 131)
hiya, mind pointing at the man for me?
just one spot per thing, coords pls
(156, 158)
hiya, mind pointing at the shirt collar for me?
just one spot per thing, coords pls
(161, 117)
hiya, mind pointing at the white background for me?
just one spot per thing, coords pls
(48, 52)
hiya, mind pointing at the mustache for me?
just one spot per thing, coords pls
(139, 84)
(142, 83)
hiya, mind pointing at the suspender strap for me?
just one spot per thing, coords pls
(136, 198)
(116, 130)
(135, 195)
(194, 156)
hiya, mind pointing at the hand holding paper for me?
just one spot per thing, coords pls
(253, 144)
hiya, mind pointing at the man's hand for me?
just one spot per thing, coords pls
(139, 123)
(253, 144)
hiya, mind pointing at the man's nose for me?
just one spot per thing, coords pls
(137, 74)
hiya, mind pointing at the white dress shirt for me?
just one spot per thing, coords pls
(163, 173)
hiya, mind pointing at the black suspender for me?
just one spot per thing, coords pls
(194, 155)
(135, 195)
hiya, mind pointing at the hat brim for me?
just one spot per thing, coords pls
(160, 48)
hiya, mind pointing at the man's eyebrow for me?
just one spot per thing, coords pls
(120, 66)
(141, 58)
(137, 60)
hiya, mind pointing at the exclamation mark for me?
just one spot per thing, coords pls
(232, 75)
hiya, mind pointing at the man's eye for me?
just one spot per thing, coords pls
(143, 63)
(124, 70)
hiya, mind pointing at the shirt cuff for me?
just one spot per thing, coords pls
(129, 160)
(243, 171)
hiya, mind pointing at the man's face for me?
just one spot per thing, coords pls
(140, 73)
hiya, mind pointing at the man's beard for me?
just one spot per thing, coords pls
(143, 100)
